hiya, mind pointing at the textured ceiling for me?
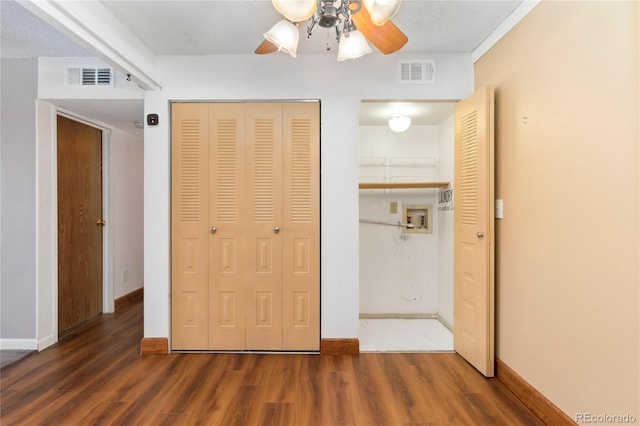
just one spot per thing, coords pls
(236, 27)
(189, 27)
(24, 35)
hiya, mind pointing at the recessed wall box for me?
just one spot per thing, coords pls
(417, 219)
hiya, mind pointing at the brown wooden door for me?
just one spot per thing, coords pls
(473, 288)
(79, 222)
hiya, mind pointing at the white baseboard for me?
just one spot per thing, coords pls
(19, 344)
(399, 316)
(47, 341)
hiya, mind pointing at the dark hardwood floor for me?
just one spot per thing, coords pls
(95, 375)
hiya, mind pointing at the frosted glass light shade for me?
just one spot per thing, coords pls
(399, 123)
(381, 10)
(352, 46)
(284, 35)
(295, 10)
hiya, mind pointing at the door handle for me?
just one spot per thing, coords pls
(101, 222)
(212, 229)
(276, 229)
(479, 235)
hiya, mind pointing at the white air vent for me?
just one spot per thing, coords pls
(90, 76)
(417, 71)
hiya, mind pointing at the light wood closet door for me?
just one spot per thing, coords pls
(473, 261)
(245, 226)
(301, 226)
(228, 205)
(189, 226)
(264, 237)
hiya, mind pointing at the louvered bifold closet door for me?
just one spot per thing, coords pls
(189, 220)
(264, 236)
(228, 257)
(245, 226)
(301, 226)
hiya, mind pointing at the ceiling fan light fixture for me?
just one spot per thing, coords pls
(284, 35)
(295, 10)
(399, 123)
(381, 10)
(352, 45)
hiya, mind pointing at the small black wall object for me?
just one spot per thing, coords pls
(152, 119)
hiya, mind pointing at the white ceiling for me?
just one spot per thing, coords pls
(213, 27)
(427, 113)
(24, 35)
(236, 27)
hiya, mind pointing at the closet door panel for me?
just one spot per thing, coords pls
(264, 216)
(227, 226)
(301, 229)
(189, 219)
(245, 226)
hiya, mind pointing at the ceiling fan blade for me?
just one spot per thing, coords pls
(266, 47)
(387, 38)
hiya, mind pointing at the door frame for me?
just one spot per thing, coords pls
(47, 219)
(447, 322)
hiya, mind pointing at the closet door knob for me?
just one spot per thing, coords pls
(276, 229)
(212, 229)
(479, 235)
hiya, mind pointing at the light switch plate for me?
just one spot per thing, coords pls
(499, 211)
(393, 207)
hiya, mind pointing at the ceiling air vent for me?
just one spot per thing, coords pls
(417, 71)
(90, 76)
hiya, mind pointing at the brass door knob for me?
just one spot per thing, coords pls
(101, 222)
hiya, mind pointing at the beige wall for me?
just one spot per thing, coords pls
(567, 165)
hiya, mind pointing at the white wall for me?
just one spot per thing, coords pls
(398, 271)
(52, 81)
(127, 152)
(17, 204)
(445, 223)
(340, 87)
(46, 226)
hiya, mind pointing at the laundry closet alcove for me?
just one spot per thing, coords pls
(406, 231)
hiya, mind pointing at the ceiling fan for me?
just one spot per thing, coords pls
(355, 22)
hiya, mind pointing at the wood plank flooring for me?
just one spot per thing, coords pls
(95, 375)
